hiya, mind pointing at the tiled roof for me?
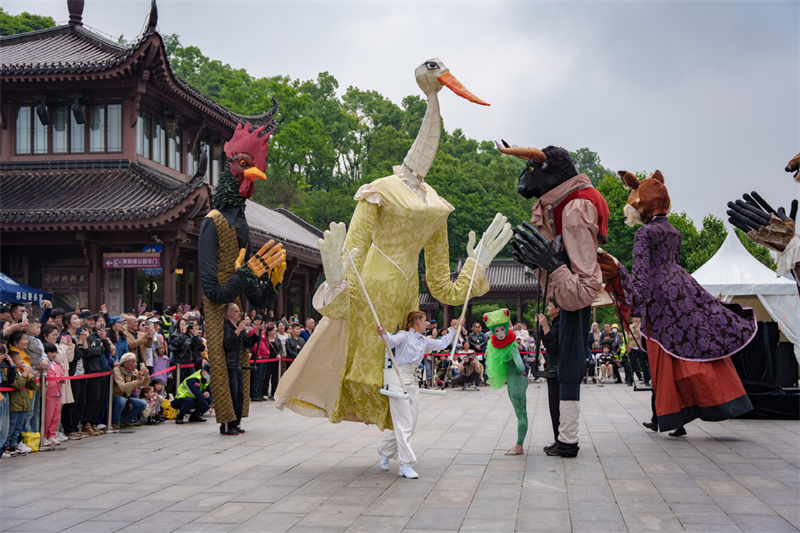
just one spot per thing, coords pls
(506, 275)
(60, 49)
(283, 226)
(101, 191)
(75, 49)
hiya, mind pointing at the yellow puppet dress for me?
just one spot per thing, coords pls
(340, 369)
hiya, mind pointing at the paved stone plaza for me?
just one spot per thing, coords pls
(290, 473)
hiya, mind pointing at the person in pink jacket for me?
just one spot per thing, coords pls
(52, 405)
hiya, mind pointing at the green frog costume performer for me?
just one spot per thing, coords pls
(223, 247)
(503, 363)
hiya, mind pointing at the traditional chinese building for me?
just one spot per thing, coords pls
(99, 153)
(509, 281)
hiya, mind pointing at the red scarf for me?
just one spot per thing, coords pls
(511, 337)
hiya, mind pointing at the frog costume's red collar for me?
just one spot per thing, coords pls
(505, 342)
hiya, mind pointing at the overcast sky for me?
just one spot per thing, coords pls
(707, 92)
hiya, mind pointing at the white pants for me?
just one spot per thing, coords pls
(396, 444)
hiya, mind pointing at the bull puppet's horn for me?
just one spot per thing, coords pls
(525, 153)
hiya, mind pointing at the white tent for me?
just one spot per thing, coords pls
(734, 275)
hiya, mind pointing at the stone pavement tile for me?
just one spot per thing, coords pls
(174, 493)
(600, 492)
(109, 500)
(203, 502)
(98, 527)
(299, 503)
(448, 498)
(466, 483)
(332, 515)
(711, 528)
(27, 512)
(134, 511)
(790, 513)
(57, 521)
(237, 485)
(600, 511)
(598, 527)
(437, 518)
(464, 470)
(233, 513)
(543, 500)
(622, 468)
(549, 520)
(471, 459)
(762, 523)
(16, 497)
(503, 476)
(378, 524)
(684, 495)
(11, 523)
(429, 531)
(641, 520)
(481, 525)
(672, 480)
(315, 529)
(742, 505)
(700, 513)
(395, 505)
(194, 527)
(268, 521)
(372, 481)
(167, 521)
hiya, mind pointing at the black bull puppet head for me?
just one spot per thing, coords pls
(545, 170)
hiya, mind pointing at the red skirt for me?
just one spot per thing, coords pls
(685, 390)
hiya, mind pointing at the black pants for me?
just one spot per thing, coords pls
(615, 369)
(463, 379)
(236, 384)
(72, 413)
(553, 403)
(187, 405)
(572, 329)
(94, 399)
(271, 379)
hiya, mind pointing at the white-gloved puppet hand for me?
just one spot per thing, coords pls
(494, 239)
(331, 251)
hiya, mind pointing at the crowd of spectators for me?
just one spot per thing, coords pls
(142, 365)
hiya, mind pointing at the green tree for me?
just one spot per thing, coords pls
(22, 23)
(588, 162)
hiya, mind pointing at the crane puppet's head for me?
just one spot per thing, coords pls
(432, 75)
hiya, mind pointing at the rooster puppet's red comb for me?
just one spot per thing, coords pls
(249, 142)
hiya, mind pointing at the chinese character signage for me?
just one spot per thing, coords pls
(132, 260)
(65, 279)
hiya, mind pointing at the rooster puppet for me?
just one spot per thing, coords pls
(690, 334)
(224, 246)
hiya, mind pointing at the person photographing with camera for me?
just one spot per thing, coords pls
(469, 372)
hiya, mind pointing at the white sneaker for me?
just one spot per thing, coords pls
(23, 448)
(54, 441)
(476, 387)
(384, 461)
(407, 472)
(60, 437)
(100, 427)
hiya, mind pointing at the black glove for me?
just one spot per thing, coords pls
(754, 212)
(533, 250)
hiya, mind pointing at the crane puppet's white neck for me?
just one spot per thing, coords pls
(422, 153)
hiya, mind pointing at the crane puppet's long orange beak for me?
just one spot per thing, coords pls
(452, 83)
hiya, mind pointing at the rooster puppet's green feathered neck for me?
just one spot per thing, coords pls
(226, 194)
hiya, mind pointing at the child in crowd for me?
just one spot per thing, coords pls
(52, 409)
(23, 379)
(150, 413)
(160, 363)
(606, 359)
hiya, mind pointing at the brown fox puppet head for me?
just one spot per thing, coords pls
(648, 197)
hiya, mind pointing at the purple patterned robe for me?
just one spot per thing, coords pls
(685, 319)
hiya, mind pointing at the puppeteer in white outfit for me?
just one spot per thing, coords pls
(410, 347)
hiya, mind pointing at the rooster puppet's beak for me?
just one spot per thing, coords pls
(253, 174)
(452, 83)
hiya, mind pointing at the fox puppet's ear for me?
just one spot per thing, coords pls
(658, 176)
(629, 179)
